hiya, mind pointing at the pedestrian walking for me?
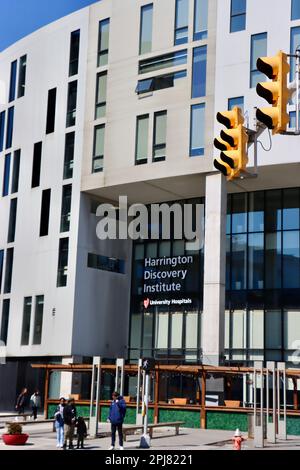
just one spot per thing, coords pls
(59, 423)
(70, 415)
(237, 440)
(116, 417)
(81, 432)
(35, 401)
(21, 401)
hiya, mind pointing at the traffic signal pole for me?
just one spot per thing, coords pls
(297, 89)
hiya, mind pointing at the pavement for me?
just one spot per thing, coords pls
(41, 437)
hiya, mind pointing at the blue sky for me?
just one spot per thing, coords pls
(21, 17)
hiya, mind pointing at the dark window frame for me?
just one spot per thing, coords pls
(97, 157)
(51, 110)
(45, 212)
(158, 146)
(74, 50)
(102, 52)
(236, 15)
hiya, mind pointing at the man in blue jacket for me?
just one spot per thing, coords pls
(116, 417)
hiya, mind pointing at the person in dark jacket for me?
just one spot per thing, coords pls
(116, 417)
(70, 415)
(21, 401)
(81, 432)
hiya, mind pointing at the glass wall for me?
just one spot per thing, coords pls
(146, 28)
(258, 49)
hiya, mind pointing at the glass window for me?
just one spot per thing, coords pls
(191, 330)
(135, 332)
(151, 250)
(273, 210)
(101, 95)
(148, 333)
(227, 329)
(66, 208)
(142, 134)
(181, 21)
(239, 262)
(256, 261)
(2, 127)
(72, 103)
(74, 52)
(176, 330)
(237, 101)
(13, 78)
(258, 49)
(290, 211)
(159, 136)
(295, 41)
(63, 254)
(69, 155)
(295, 10)
(26, 321)
(4, 320)
(256, 329)
(291, 329)
(45, 212)
(6, 176)
(161, 330)
(146, 28)
(50, 123)
(291, 260)
(273, 260)
(239, 212)
(238, 324)
(199, 72)
(292, 117)
(106, 263)
(8, 270)
(16, 172)
(228, 264)
(98, 151)
(9, 127)
(273, 329)
(200, 19)
(197, 138)
(163, 61)
(159, 83)
(22, 76)
(36, 165)
(12, 221)
(1, 267)
(256, 212)
(38, 319)
(238, 15)
(103, 42)
(164, 249)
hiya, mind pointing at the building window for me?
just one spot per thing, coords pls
(258, 49)
(295, 10)
(199, 71)
(181, 22)
(5, 320)
(74, 52)
(50, 123)
(295, 41)
(200, 19)
(69, 155)
(2, 127)
(8, 270)
(163, 61)
(6, 176)
(237, 101)
(16, 172)
(36, 165)
(98, 151)
(159, 83)
(45, 212)
(13, 79)
(72, 102)
(146, 28)
(62, 271)
(38, 319)
(101, 95)
(12, 220)
(1, 267)
(26, 321)
(9, 127)
(159, 136)
(197, 139)
(238, 15)
(22, 76)
(142, 134)
(106, 263)
(66, 208)
(103, 43)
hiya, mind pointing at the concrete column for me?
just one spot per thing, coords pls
(214, 270)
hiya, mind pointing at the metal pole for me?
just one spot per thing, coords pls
(297, 88)
(145, 439)
(138, 386)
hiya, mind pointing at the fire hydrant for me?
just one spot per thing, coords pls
(237, 440)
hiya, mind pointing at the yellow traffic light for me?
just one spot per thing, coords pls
(232, 143)
(275, 93)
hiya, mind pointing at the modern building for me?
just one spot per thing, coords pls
(119, 99)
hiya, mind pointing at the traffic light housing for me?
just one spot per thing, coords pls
(275, 93)
(232, 143)
(148, 364)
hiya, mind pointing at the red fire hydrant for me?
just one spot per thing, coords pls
(237, 440)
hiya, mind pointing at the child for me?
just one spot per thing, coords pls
(81, 432)
(237, 440)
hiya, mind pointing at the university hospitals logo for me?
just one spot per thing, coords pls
(146, 303)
